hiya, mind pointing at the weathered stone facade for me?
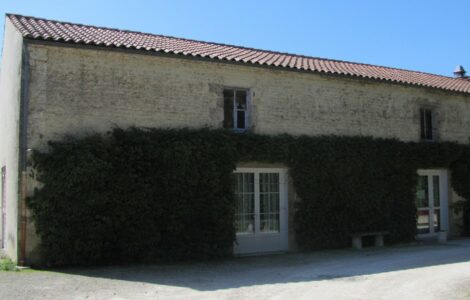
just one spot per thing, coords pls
(76, 90)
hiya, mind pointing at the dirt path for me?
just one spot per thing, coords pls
(406, 272)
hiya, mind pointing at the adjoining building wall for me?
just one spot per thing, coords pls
(10, 93)
(76, 91)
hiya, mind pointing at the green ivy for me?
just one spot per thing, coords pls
(135, 195)
(155, 194)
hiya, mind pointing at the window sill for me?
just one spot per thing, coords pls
(239, 131)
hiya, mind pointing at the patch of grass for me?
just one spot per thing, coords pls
(7, 264)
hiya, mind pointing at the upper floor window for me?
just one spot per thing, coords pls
(427, 124)
(236, 109)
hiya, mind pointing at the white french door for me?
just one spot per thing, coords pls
(261, 210)
(431, 202)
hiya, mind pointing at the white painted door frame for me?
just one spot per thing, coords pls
(259, 242)
(444, 199)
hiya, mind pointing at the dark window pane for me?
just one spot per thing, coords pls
(241, 100)
(228, 108)
(241, 119)
(435, 182)
(428, 118)
(422, 196)
(426, 124)
(241, 109)
(422, 122)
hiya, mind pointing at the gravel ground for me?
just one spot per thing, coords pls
(420, 271)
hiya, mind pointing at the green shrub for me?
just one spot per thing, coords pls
(7, 264)
(152, 194)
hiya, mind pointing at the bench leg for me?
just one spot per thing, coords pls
(357, 243)
(379, 240)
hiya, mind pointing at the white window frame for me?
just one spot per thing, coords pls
(423, 124)
(247, 110)
(444, 200)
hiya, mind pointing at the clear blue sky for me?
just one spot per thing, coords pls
(426, 35)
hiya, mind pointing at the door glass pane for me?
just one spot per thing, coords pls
(423, 221)
(437, 220)
(245, 201)
(436, 191)
(428, 202)
(269, 202)
(422, 196)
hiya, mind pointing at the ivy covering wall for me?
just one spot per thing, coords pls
(150, 194)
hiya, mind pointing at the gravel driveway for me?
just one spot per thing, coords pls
(404, 272)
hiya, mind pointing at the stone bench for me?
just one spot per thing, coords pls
(357, 238)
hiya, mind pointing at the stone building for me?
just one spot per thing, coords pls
(59, 78)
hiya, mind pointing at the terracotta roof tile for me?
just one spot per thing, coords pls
(49, 30)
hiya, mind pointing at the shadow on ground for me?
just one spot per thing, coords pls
(286, 268)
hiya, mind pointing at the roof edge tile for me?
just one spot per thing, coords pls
(68, 32)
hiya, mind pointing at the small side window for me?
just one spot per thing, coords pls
(236, 109)
(427, 124)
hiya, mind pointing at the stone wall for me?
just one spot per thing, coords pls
(76, 90)
(79, 91)
(10, 93)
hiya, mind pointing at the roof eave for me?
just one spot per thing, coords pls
(239, 62)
